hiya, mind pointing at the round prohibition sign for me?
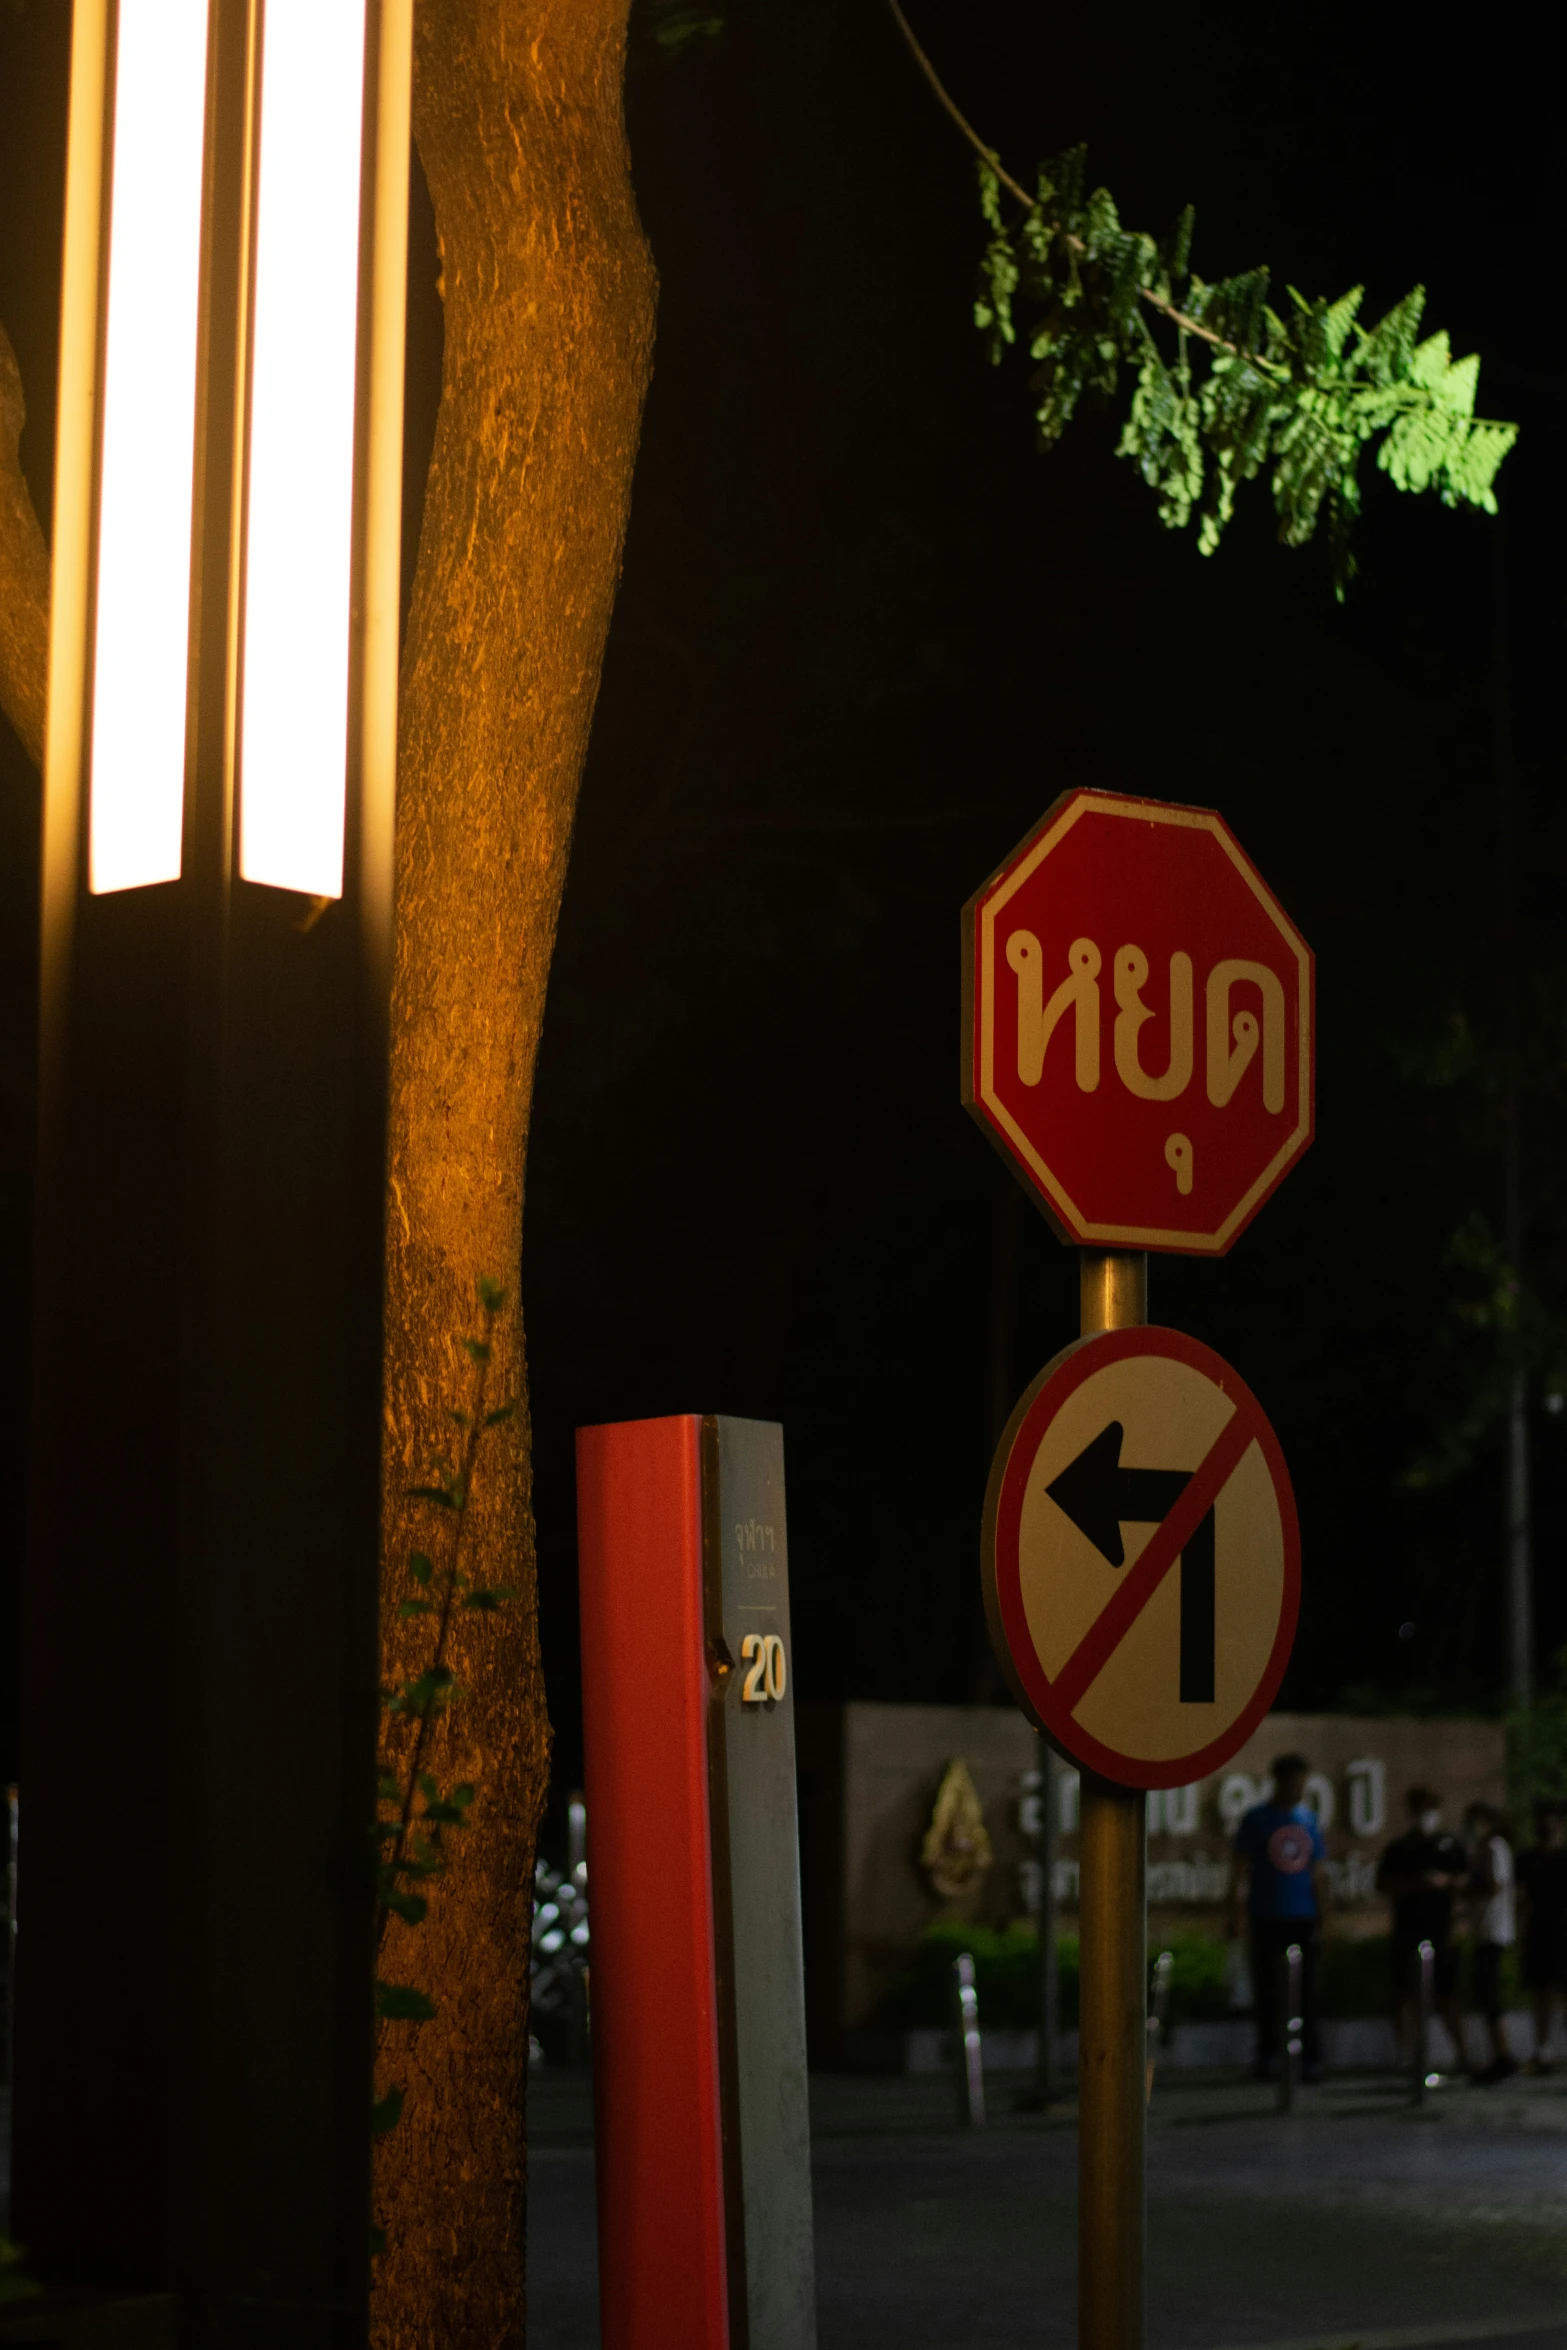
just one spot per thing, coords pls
(1141, 1557)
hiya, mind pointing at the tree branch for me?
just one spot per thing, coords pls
(946, 100)
(24, 575)
(1155, 301)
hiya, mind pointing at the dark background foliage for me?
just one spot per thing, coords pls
(866, 634)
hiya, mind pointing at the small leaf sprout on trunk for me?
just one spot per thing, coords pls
(415, 1813)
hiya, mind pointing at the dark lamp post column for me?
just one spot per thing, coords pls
(194, 1988)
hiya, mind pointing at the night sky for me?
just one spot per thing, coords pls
(866, 635)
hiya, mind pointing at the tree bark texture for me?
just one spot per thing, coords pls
(24, 576)
(549, 301)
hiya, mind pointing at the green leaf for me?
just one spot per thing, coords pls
(428, 1693)
(415, 1865)
(445, 1814)
(410, 1907)
(399, 2003)
(416, 1607)
(449, 1810)
(444, 1496)
(492, 1295)
(1226, 388)
(1176, 252)
(479, 1348)
(502, 1411)
(420, 1568)
(488, 1600)
(385, 2114)
(377, 2242)
(389, 1787)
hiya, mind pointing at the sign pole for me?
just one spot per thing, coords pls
(1113, 1984)
(1162, 1124)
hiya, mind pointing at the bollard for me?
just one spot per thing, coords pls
(697, 2023)
(1291, 1983)
(971, 2071)
(1049, 1960)
(1158, 2015)
(1425, 1988)
(1035, 2095)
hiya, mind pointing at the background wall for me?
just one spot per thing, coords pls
(870, 1775)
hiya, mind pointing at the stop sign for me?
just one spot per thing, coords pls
(1138, 1024)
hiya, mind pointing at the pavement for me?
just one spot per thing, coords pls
(1356, 2222)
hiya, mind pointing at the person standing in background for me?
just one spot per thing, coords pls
(1542, 1881)
(1495, 1927)
(1279, 1856)
(1420, 1872)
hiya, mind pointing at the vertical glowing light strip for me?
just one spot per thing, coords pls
(149, 423)
(299, 520)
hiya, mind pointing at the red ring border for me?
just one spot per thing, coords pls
(1001, 1574)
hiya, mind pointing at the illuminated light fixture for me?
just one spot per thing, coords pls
(212, 1111)
(142, 627)
(300, 489)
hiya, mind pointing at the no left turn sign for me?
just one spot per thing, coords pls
(1141, 1557)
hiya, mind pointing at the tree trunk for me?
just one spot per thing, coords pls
(549, 294)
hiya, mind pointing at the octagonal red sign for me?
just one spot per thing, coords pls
(1138, 1024)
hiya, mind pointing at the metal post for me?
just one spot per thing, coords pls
(1425, 1989)
(1159, 2013)
(10, 1939)
(971, 2055)
(579, 2045)
(1515, 1490)
(1520, 1544)
(1113, 1999)
(1292, 1969)
(1049, 1966)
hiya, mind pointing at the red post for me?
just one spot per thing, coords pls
(645, 1693)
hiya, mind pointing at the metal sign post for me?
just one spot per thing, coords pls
(1137, 1043)
(1150, 1669)
(1113, 1981)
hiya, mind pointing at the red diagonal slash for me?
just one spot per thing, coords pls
(1148, 1570)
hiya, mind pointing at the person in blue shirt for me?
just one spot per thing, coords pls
(1279, 1860)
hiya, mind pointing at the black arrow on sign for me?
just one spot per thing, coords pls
(1099, 1497)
